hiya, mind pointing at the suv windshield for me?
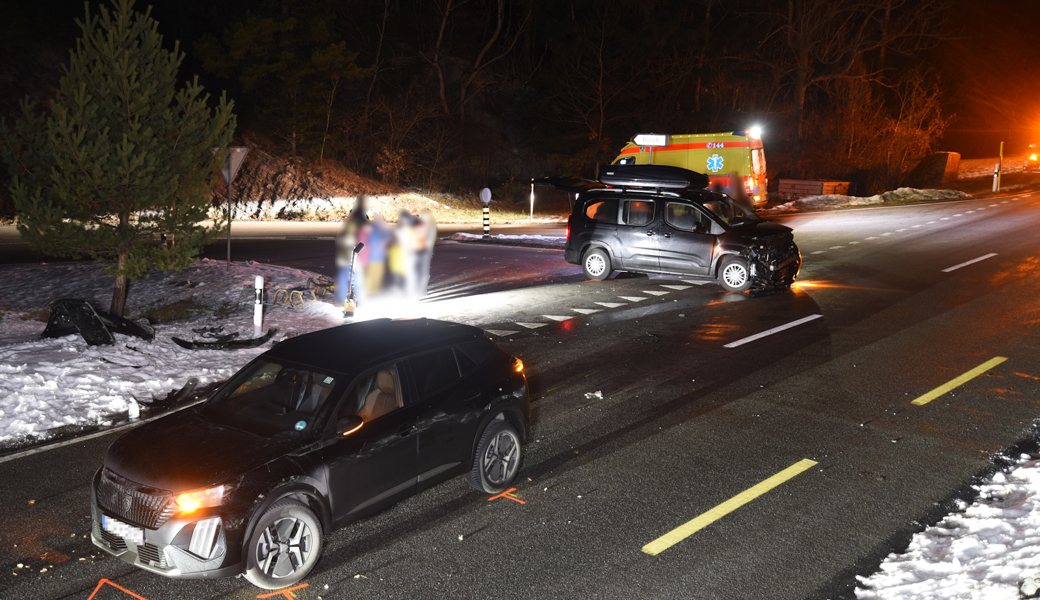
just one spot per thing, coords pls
(271, 399)
(728, 211)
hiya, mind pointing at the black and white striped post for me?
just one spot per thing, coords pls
(485, 197)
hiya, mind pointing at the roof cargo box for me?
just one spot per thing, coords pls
(652, 176)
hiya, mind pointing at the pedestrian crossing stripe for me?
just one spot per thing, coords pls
(500, 332)
(531, 325)
(611, 304)
(632, 298)
(676, 287)
(586, 311)
(655, 292)
(558, 317)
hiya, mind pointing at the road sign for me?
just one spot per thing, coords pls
(234, 162)
(485, 195)
(236, 155)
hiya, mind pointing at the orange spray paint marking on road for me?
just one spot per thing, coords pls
(507, 494)
(118, 587)
(287, 593)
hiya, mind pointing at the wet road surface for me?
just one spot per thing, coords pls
(686, 442)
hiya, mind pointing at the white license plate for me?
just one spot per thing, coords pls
(127, 532)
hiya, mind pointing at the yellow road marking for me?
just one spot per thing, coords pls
(684, 531)
(949, 385)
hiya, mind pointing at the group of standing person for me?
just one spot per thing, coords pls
(395, 260)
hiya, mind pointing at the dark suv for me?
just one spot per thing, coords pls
(317, 432)
(660, 219)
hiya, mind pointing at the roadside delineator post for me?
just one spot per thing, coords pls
(485, 197)
(258, 306)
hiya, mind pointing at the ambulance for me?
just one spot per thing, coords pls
(713, 154)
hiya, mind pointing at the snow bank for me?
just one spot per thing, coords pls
(46, 384)
(983, 552)
(537, 241)
(839, 201)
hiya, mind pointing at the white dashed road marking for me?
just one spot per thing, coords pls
(886, 233)
(769, 332)
(818, 252)
(972, 261)
(695, 282)
(611, 304)
(872, 238)
(676, 287)
(586, 311)
(929, 222)
(632, 298)
(500, 332)
(850, 243)
(557, 317)
(837, 247)
(531, 325)
(655, 292)
(900, 230)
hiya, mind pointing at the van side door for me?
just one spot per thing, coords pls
(685, 243)
(637, 232)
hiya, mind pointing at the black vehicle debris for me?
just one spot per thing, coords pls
(70, 316)
(214, 338)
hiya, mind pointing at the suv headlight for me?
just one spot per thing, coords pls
(204, 498)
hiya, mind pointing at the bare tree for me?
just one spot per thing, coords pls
(810, 43)
(595, 76)
(479, 64)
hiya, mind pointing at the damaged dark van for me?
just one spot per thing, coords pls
(661, 219)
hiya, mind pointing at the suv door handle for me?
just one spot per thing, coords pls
(406, 430)
(667, 235)
(650, 233)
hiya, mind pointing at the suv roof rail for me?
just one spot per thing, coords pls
(652, 176)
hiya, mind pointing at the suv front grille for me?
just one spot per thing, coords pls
(132, 502)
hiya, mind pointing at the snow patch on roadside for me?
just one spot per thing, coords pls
(984, 551)
(839, 201)
(541, 241)
(46, 384)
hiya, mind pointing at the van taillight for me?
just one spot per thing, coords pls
(568, 238)
(747, 183)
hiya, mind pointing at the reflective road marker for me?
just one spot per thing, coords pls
(684, 531)
(958, 381)
(970, 262)
(758, 336)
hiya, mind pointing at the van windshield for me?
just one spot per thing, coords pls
(729, 211)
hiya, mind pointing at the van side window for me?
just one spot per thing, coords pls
(604, 211)
(638, 212)
(686, 217)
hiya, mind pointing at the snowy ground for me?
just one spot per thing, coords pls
(533, 240)
(840, 201)
(984, 551)
(47, 384)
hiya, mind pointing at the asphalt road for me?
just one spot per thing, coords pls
(784, 465)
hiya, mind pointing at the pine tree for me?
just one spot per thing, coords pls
(122, 156)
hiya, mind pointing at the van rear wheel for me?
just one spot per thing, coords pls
(596, 264)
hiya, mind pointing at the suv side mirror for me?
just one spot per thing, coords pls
(348, 425)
